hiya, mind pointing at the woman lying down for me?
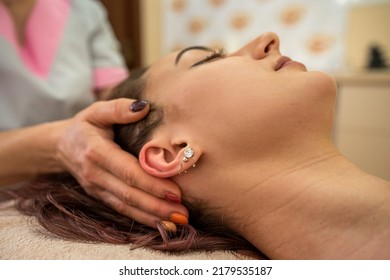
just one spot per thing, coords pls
(248, 137)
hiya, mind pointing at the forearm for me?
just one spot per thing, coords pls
(28, 152)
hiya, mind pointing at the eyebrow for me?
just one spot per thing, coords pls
(180, 54)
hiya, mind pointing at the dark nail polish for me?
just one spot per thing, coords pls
(138, 105)
(172, 197)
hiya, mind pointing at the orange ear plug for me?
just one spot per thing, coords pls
(178, 218)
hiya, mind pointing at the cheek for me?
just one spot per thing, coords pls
(319, 94)
(262, 110)
(310, 108)
(200, 95)
(225, 106)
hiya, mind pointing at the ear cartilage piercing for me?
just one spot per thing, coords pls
(188, 153)
(181, 165)
(185, 171)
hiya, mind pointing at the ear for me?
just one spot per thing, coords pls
(166, 161)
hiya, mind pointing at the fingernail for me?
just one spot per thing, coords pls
(138, 105)
(169, 226)
(172, 197)
(178, 219)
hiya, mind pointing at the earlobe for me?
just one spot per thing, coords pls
(165, 162)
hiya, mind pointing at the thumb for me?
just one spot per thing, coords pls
(116, 111)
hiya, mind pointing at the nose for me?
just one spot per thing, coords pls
(264, 45)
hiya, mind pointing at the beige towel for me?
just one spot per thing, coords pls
(21, 238)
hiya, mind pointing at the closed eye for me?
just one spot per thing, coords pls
(220, 53)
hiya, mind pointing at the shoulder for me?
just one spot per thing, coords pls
(89, 8)
(91, 12)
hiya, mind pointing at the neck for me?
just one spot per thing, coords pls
(321, 208)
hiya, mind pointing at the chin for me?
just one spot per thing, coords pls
(326, 95)
(325, 84)
(329, 79)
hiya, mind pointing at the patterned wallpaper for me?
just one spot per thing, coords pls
(311, 31)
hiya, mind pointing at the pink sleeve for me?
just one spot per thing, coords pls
(109, 76)
(108, 64)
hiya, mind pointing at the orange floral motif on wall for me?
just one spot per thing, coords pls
(312, 32)
(178, 5)
(240, 20)
(216, 3)
(292, 15)
(197, 25)
(320, 43)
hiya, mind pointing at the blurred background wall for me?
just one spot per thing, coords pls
(341, 37)
(310, 31)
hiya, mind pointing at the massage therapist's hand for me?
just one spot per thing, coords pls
(110, 174)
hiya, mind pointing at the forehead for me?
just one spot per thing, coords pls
(160, 74)
(168, 71)
(181, 59)
(166, 63)
(161, 79)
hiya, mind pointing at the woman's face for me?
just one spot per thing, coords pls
(254, 96)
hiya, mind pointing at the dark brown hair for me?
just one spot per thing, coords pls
(62, 207)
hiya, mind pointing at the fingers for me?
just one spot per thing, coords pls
(127, 168)
(115, 176)
(134, 202)
(126, 210)
(117, 111)
(126, 179)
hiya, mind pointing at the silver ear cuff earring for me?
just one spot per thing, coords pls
(188, 153)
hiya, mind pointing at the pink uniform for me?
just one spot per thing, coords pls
(69, 52)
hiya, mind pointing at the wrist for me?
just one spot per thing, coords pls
(28, 152)
(53, 157)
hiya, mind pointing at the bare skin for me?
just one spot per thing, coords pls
(260, 126)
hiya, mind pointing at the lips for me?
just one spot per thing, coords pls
(282, 61)
(285, 61)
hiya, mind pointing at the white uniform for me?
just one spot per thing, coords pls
(70, 51)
